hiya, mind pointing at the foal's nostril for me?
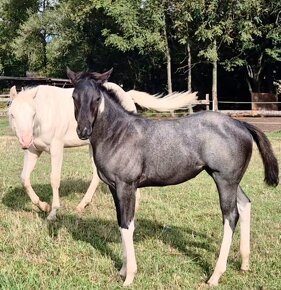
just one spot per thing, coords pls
(89, 132)
(85, 133)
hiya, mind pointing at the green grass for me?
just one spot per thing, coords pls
(177, 237)
(4, 126)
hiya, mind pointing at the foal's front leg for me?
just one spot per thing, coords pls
(30, 158)
(125, 202)
(56, 151)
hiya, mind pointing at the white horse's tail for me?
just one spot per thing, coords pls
(170, 102)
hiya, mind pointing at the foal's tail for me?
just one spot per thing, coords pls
(271, 169)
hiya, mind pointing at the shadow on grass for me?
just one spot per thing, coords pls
(16, 197)
(100, 233)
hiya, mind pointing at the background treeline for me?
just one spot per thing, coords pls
(229, 48)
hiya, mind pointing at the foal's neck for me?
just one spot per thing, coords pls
(111, 117)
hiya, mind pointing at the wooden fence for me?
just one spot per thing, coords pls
(205, 103)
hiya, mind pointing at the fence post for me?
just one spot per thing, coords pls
(207, 102)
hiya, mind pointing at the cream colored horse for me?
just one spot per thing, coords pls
(43, 120)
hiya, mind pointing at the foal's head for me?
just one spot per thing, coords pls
(87, 97)
(21, 115)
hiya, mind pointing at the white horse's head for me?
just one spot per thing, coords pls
(21, 115)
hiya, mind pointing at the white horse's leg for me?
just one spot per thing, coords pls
(30, 158)
(56, 151)
(93, 185)
(129, 267)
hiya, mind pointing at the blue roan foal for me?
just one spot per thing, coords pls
(131, 151)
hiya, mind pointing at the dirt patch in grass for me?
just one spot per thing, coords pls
(266, 124)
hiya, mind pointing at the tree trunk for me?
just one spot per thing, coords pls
(169, 66)
(169, 72)
(214, 87)
(189, 67)
(214, 83)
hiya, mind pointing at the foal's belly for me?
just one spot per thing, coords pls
(169, 174)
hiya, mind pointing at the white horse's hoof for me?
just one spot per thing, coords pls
(44, 206)
(79, 209)
(81, 206)
(245, 268)
(212, 283)
(53, 215)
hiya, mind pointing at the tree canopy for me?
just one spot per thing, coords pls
(154, 45)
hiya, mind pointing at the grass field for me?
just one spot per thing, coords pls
(177, 237)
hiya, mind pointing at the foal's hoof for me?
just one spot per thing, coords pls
(129, 280)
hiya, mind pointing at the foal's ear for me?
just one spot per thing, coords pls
(71, 75)
(13, 92)
(101, 78)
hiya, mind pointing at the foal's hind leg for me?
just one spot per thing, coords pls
(30, 158)
(93, 185)
(228, 199)
(244, 209)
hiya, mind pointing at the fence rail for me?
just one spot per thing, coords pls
(5, 98)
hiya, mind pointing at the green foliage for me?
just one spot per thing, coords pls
(134, 35)
(139, 25)
(258, 36)
(12, 14)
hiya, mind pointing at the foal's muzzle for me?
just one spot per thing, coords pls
(84, 133)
